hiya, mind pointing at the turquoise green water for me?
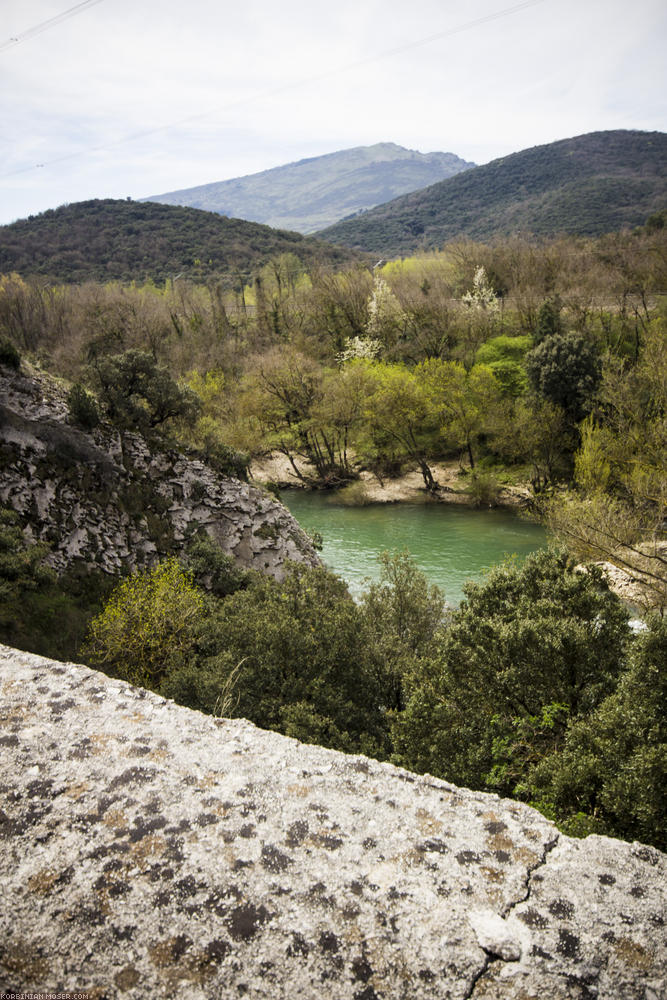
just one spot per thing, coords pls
(450, 544)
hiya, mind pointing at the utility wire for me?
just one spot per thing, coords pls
(24, 36)
(296, 84)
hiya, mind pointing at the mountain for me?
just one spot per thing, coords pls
(587, 186)
(108, 239)
(317, 192)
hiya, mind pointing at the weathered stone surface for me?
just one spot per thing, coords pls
(106, 500)
(151, 851)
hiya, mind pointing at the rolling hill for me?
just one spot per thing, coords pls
(108, 239)
(314, 193)
(587, 186)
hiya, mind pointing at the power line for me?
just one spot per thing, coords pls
(388, 53)
(37, 29)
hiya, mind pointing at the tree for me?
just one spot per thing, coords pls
(403, 613)
(465, 402)
(148, 622)
(530, 649)
(617, 511)
(137, 393)
(289, 397)
(290, 656)
(566, 370)
(401, 424)
(612, 765)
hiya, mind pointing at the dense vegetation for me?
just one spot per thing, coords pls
(107, 240)
(544, 363)
(319, 191)
(587, 186)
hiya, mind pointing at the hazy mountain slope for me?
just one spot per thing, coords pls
(128, 240)
(317, 192)
(587, 185)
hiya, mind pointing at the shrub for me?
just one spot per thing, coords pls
(148, 622)
(82, 408)
(9, 356)
(483, 488)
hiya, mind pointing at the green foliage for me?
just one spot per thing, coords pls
(149, 620)
(618, 511)
(529, 649)
(549, 321)
(9, 356)
(38, 611)
(82, 408)
(402, 614)
(588, 185)
(565, 370)
(504, 348)
(137, 393)
(400, 422)
(212, 569)
(106, 239)
(483, 488)
(612, 766)
(298, 658)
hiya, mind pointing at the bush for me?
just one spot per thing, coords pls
(82, 408)
(612, 766)
(9, 356)
(289, 656)
(139, 394)
(483, 488)
(148, 622)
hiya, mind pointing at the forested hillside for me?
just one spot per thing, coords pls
(319, 191)
(586, 186)
(112, 240)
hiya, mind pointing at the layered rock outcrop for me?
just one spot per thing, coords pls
(107, 500)
(151, 851)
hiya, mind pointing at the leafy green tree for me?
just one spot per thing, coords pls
(138, 393)
(212, 569)
(286, 398)
(401, 424)
(531, 648)
(39, 611)
(610, 773)
(402, 613)
(618, 509)
(82, 408)
(465, 402)
(148, 622)
(290, 656)
(566, 370)
(549, 321)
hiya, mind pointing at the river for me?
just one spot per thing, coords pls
(450, 544)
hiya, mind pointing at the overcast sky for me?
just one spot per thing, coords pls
(139, 97)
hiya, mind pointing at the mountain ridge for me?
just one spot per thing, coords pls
(585, 185)
(318, 190)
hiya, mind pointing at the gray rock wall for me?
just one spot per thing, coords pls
(151, 851)
(108, 501)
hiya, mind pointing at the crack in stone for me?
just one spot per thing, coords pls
(548, 848)
(490, 958)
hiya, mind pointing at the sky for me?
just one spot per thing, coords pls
(131, 98)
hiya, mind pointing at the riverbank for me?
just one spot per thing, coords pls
(408, 488)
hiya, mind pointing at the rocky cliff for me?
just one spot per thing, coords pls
(150, 851)
(107, 500)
